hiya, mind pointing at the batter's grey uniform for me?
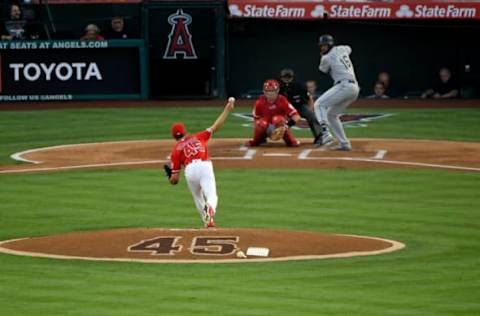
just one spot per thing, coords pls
(335, 100)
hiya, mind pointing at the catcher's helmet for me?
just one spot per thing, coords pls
(270, 85)
(326, 39)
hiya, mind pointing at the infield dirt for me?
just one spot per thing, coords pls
(230, 153)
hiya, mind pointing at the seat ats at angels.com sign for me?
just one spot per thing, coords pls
(67, 70)
(308, 10)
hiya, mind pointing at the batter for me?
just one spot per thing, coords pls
(335, 60)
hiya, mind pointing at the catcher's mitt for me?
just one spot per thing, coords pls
(168, 171)
(278, 133)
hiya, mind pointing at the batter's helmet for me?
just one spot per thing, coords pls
(178, 130)
(326, 39)
(270, 85)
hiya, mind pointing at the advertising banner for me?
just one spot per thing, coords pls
(311, 10)
(67, 70)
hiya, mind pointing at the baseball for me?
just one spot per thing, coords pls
(241, 254)
(231, 99)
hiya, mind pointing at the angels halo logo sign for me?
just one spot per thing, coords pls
(180, 39)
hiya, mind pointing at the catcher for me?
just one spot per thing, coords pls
(191, 151)
(271, 113)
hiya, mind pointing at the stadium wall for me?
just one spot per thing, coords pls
(412, 52)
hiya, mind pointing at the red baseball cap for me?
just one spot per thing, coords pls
(178, 130)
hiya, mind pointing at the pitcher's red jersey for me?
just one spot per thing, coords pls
(191, 147)
(266, 110)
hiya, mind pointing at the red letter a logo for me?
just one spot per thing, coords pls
(180, 39)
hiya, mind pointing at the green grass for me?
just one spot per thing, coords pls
(437, 215)
(31, 129)
(450, 124)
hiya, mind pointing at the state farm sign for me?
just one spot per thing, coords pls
(424, 11)
(364, 11)
(266, 11)
(308, 10)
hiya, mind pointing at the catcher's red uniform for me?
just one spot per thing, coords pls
(190, 148)
(274, 113)
(266, 110)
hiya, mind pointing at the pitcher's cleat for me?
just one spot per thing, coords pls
(208, 216)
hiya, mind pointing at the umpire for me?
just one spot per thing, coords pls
(297, 95)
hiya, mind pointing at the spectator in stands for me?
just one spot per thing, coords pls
(444, 88)
(378, 91)
(116, 30)
(92, 33)
(15, 27)
(384, 78)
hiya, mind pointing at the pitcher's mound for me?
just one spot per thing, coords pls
(160, 245)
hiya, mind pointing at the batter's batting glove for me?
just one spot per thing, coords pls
(168, 171)
(290, 123)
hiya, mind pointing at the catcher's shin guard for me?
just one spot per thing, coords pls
(289, 139)
(259, 133)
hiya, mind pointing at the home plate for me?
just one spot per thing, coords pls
(258, 251)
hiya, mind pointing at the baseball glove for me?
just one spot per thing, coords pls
(168, 171)
(278, 133)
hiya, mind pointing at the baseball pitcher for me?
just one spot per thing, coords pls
(335, 60)
(191, 151)
(270, 113)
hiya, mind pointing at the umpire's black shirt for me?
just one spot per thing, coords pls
(295, 92)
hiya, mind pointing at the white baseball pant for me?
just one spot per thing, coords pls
(201, 182)
(332, 103)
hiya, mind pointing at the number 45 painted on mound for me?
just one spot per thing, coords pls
(170, 245)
